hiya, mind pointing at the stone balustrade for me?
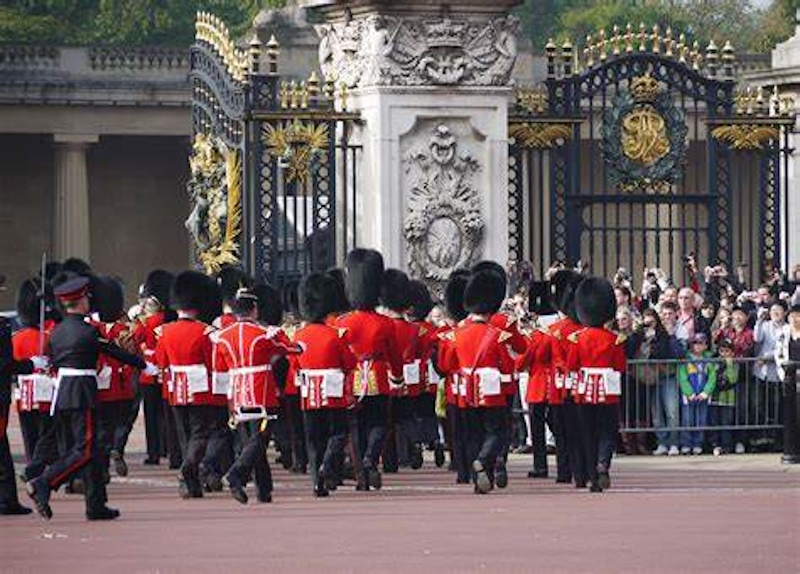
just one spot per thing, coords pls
(27, 56)
(138, 59)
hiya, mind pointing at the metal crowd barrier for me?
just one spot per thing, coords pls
(748, 396)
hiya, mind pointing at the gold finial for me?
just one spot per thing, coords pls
(566, 57)
(283, 95)
(682, 48)
(343, 95)
(293, 95)
(303, 90)
(273, 51)
(760, 103)
(255, 54)
(550, 51)
(728, 58)
(313, 85)
(628, 38)
(668, 42)
(655, 38)
(589, 51)
(696, 55)
(712, 57)
(601, 45)
(642, 37)
(616, 41)
(329, 88)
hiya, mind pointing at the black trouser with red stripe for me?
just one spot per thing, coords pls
(82, 455)
(326, 435)
(8, 484)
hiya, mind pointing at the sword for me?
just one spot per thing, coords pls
(42, 304)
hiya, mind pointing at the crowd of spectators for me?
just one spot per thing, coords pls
(702, 352)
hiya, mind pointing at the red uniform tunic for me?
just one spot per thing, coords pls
(538, 362)
(184, 347)
(478, 353)
(285, 336)
(371, 339)
(516, 341)
(443, 351)
(246, 351)
(145, 336)
(114, 378)
(225, 320)
(561, 331)
(32, 390)
(598, 356)
(325, 367)
(411, 340)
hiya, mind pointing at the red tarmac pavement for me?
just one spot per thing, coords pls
(687, 514)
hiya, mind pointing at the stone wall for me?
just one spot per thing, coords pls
(137, 206)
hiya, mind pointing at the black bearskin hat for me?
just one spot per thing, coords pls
(108, 299)
(363, 278)
(52, 269)
(454, 294)
(494, 267)
(27, 304)
(394, 290)
(595, 303)
(230, 280)
(539, 300)
(484, 293)
(157, 285)
(340, 303)
(270, 305)
(562, 291)
(77, 266)
(189, 290)
(315, 295)
(419, 300)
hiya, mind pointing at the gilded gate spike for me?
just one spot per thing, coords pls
(616, 41)
(303, 95)
(682, 48)
(343, 95)
(642, 37)
(293, 95)
(655, 38)
(668, 41)
(589, 51)
(628, 38)
(697, 57)
(284, 95)
(566, 57)
(601, 45)
(760, 100)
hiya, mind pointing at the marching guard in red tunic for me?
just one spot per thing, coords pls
(564, 284)
(161, 434)
(115, 392)
(325, 371)
(247, 351)
(34, 391)
(598, 357)
(184, 348)
(478, 353)
(380, 363)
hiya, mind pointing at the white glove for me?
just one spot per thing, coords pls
(40, 362)
(151, 370)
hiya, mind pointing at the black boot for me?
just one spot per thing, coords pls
(40, 494)
(232, 481)
(103, 513)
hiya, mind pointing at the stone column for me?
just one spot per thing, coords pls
(433, 87)
(71, 225)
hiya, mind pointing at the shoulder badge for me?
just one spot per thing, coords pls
(448, 336)
(423, 330)
(504, 336)
(621, 339)
(510, 320)
(342, 332)
(573, 337)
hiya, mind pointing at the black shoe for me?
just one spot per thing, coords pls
(299, 469)
(580, 484)
(103, 513)
(563, 479)
(462, 480)
(175, 465)
(265, 498)
(524, 449)
(537, 474)
(152, 462)
(416, 457)
(120, 466)
(603, 480)
(438, 455)
(501, 476)
(595, 488)
(321, 492)
(374, 478)
(231, 480)
(483, 484)
(15, 509)
(40, 494)
(183, 489)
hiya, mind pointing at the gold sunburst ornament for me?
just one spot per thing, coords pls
(745, 136)
(295, 145)
(539, 136)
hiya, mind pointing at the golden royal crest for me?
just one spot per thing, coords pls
(644, 135)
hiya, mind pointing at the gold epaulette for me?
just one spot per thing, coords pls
(447, 336)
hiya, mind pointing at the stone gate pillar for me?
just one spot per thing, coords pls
(433, 86)
(71, 237)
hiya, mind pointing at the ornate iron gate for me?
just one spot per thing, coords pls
(274, 173)
(639, 150)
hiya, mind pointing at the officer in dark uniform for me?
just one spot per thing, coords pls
(73, 348)
(9, 503)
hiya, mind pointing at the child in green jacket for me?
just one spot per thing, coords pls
(697, 379)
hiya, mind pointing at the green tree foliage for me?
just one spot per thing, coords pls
(748, 28)
(129, 22)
